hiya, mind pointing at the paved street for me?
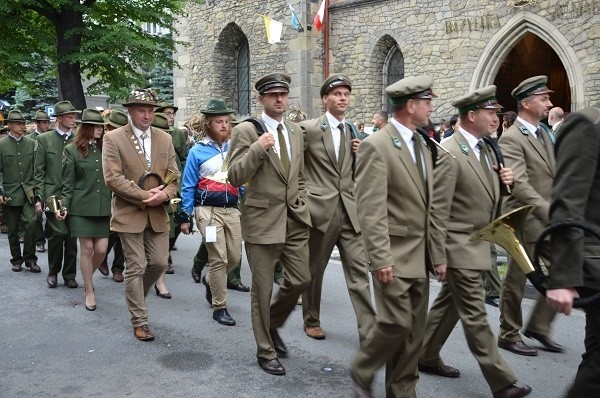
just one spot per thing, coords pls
(52, 347)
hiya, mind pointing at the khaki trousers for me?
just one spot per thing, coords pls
(226, 252)
(293, 256)
(396, 338)
(462, 298)
(511, 296)
(146, 257)
(356, 272)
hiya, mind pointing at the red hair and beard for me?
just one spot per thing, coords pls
(217, 127)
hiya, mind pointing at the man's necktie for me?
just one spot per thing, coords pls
(419, 158)
(483, 159)
(283, 153)
(342, 151)
(143, 137)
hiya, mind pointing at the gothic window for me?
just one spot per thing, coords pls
(243, 79)
(393, 70)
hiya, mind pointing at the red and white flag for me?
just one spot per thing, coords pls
(320, 16)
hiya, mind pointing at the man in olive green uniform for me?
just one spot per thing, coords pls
(17, 153)
(394, 184)
(528, 148)
(465, 198)
(62, 248)
(181, 149)
(42, 125)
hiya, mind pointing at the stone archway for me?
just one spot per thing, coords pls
(226, 51)
(509, 36)
(385, 50)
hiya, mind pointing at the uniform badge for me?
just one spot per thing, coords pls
(397, 142)
(523, 130)
(464, 148)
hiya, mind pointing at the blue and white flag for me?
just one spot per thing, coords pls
(295, 21)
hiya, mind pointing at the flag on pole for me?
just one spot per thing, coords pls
(274, 29)
(320, 16)
(295, 21)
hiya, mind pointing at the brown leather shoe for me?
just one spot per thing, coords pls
(546, 341)
(314, 332)
(519, 348)
(271, 366)
(278, 344)
(240, 287)
(33, 267)
(103, 268)
(51, 280)
(443, 370)
(513, 392)
(118, 276)
(71, 283)
(143, 333)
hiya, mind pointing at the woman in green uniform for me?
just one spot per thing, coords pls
(86, 199)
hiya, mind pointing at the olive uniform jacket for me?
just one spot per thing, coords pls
(270, 195)
(48, 164)
(328, 183)
(180, 145)
(463, 202)
(533, 166)
(123, 165)
(16, 170)
(576, 196)
(393, 203)
(84, 192)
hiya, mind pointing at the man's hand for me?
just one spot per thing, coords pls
(61, 215)
(506, 175)
(1, 200)
(38, 207)
(355, 143)
(440, 272)
(157, 197)
(185, 228)
(561, 300)
(266, 141)
(384, 275)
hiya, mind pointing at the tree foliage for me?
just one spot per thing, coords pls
(100, 40)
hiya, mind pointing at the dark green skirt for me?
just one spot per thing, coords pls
(89, 226)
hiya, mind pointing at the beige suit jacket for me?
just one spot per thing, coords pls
(270, 195)
(393, 204)
(328, 184)
(123, 165)
(463, 202)
(533, 167)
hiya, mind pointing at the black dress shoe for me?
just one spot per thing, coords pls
(493, 301)
(239, 287)
(546, 341)
(223, 317)
(33, 267)
(51, 280)
(196, 272)
(170, 270)
(166, 295)
(443, 370)
(513, 392)
(271, 366)
(278, 344)
(90, 307)
(71, 283)
(208, 292)
(518, 347)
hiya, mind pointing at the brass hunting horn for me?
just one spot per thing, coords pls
(507, 231)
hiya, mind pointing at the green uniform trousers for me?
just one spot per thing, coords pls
(511, 296)
(62, 249)
(491, 278)
(114, 243)
(462, 298)
(24, 217)
(396, 338)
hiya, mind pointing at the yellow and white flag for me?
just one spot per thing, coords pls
(274, 29)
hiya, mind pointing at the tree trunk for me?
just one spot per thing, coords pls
(70, 87)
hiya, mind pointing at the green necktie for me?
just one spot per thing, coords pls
(419, 158)
(483, 159)
(342, 151)
(283, 153)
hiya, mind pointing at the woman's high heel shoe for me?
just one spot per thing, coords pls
(166, 295)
